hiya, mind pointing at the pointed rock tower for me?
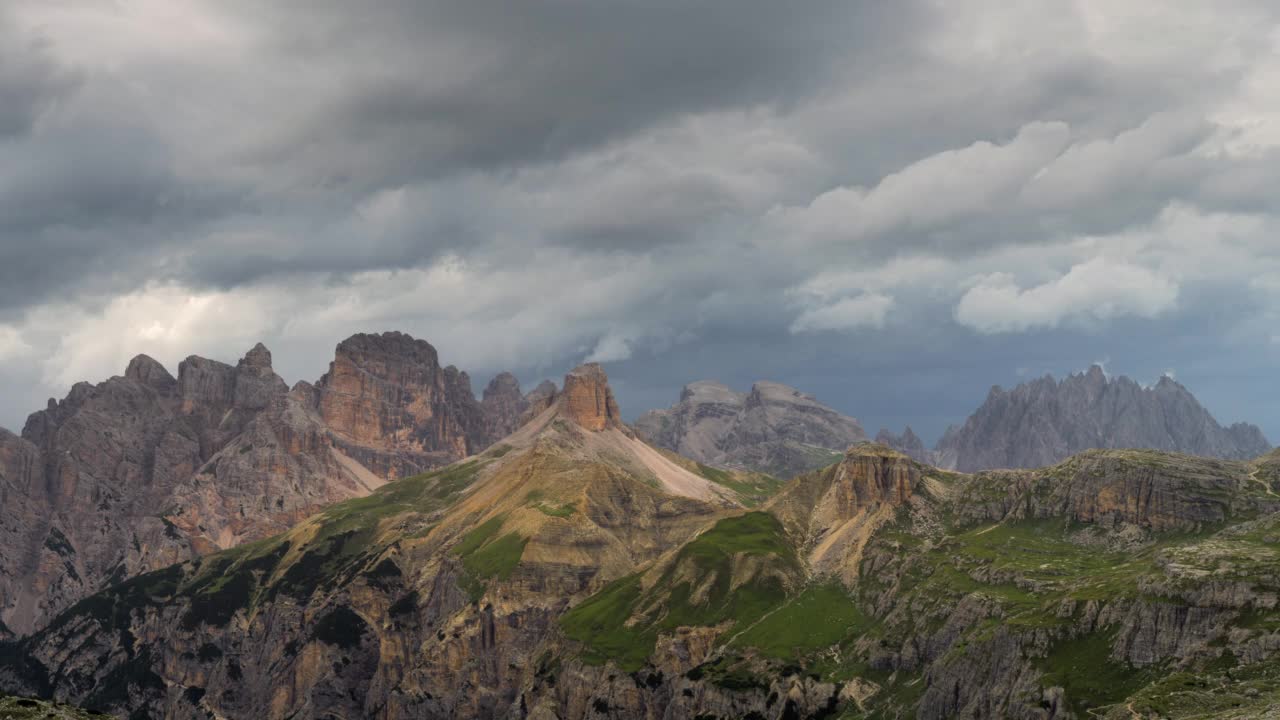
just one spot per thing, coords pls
(588, 400)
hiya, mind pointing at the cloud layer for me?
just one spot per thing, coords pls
(892, 205)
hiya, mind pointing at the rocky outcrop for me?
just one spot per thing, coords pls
(773, 429)
(503, 407)
(832, 513)
(1045, 421)
(588, 400)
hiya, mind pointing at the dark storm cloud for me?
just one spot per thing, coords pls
(432, 87)
(30, 80)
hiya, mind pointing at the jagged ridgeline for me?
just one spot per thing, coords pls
(572, 571)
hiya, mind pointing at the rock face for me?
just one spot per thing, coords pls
(145, 469)
(1045, 421)
(393, 407)
(773, 429)
(588, 400)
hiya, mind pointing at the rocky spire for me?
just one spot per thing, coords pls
(588, 400)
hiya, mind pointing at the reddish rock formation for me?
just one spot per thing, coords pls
(393, 407)
(588, 400)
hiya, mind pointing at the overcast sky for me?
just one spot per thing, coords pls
(891, 205)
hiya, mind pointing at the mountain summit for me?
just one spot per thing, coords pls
(773, 429)
(1045, 421)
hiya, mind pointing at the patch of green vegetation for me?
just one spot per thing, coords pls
(558, 511)
(754, 488)
(730, 673)
(485, 556)
(1084, 669)
(818, 618)
(496, 559)
(479, 536)
(600, 624)
(537, 500)
(621, 622)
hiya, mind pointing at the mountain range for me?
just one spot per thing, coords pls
(573, 571)
(145, 469)
(381, 543)
(782, 431)
(1045, 421)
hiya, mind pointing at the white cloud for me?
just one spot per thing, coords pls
(938, 189)
(1094, 291)
(867, 310)
(612, 347)
(11, 343)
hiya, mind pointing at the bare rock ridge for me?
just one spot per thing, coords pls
(774, 428)
(146, 469)
(1045, 421)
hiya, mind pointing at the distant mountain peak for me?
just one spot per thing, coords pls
(1044, 421)
(773, 428)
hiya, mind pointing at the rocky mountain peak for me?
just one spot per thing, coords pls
(1044, 421)
(907, 443)
(774, 428)
(538, 400)
(394, 408)
(148, 371)
(258, 358)
(504, 406)
(588, 400)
